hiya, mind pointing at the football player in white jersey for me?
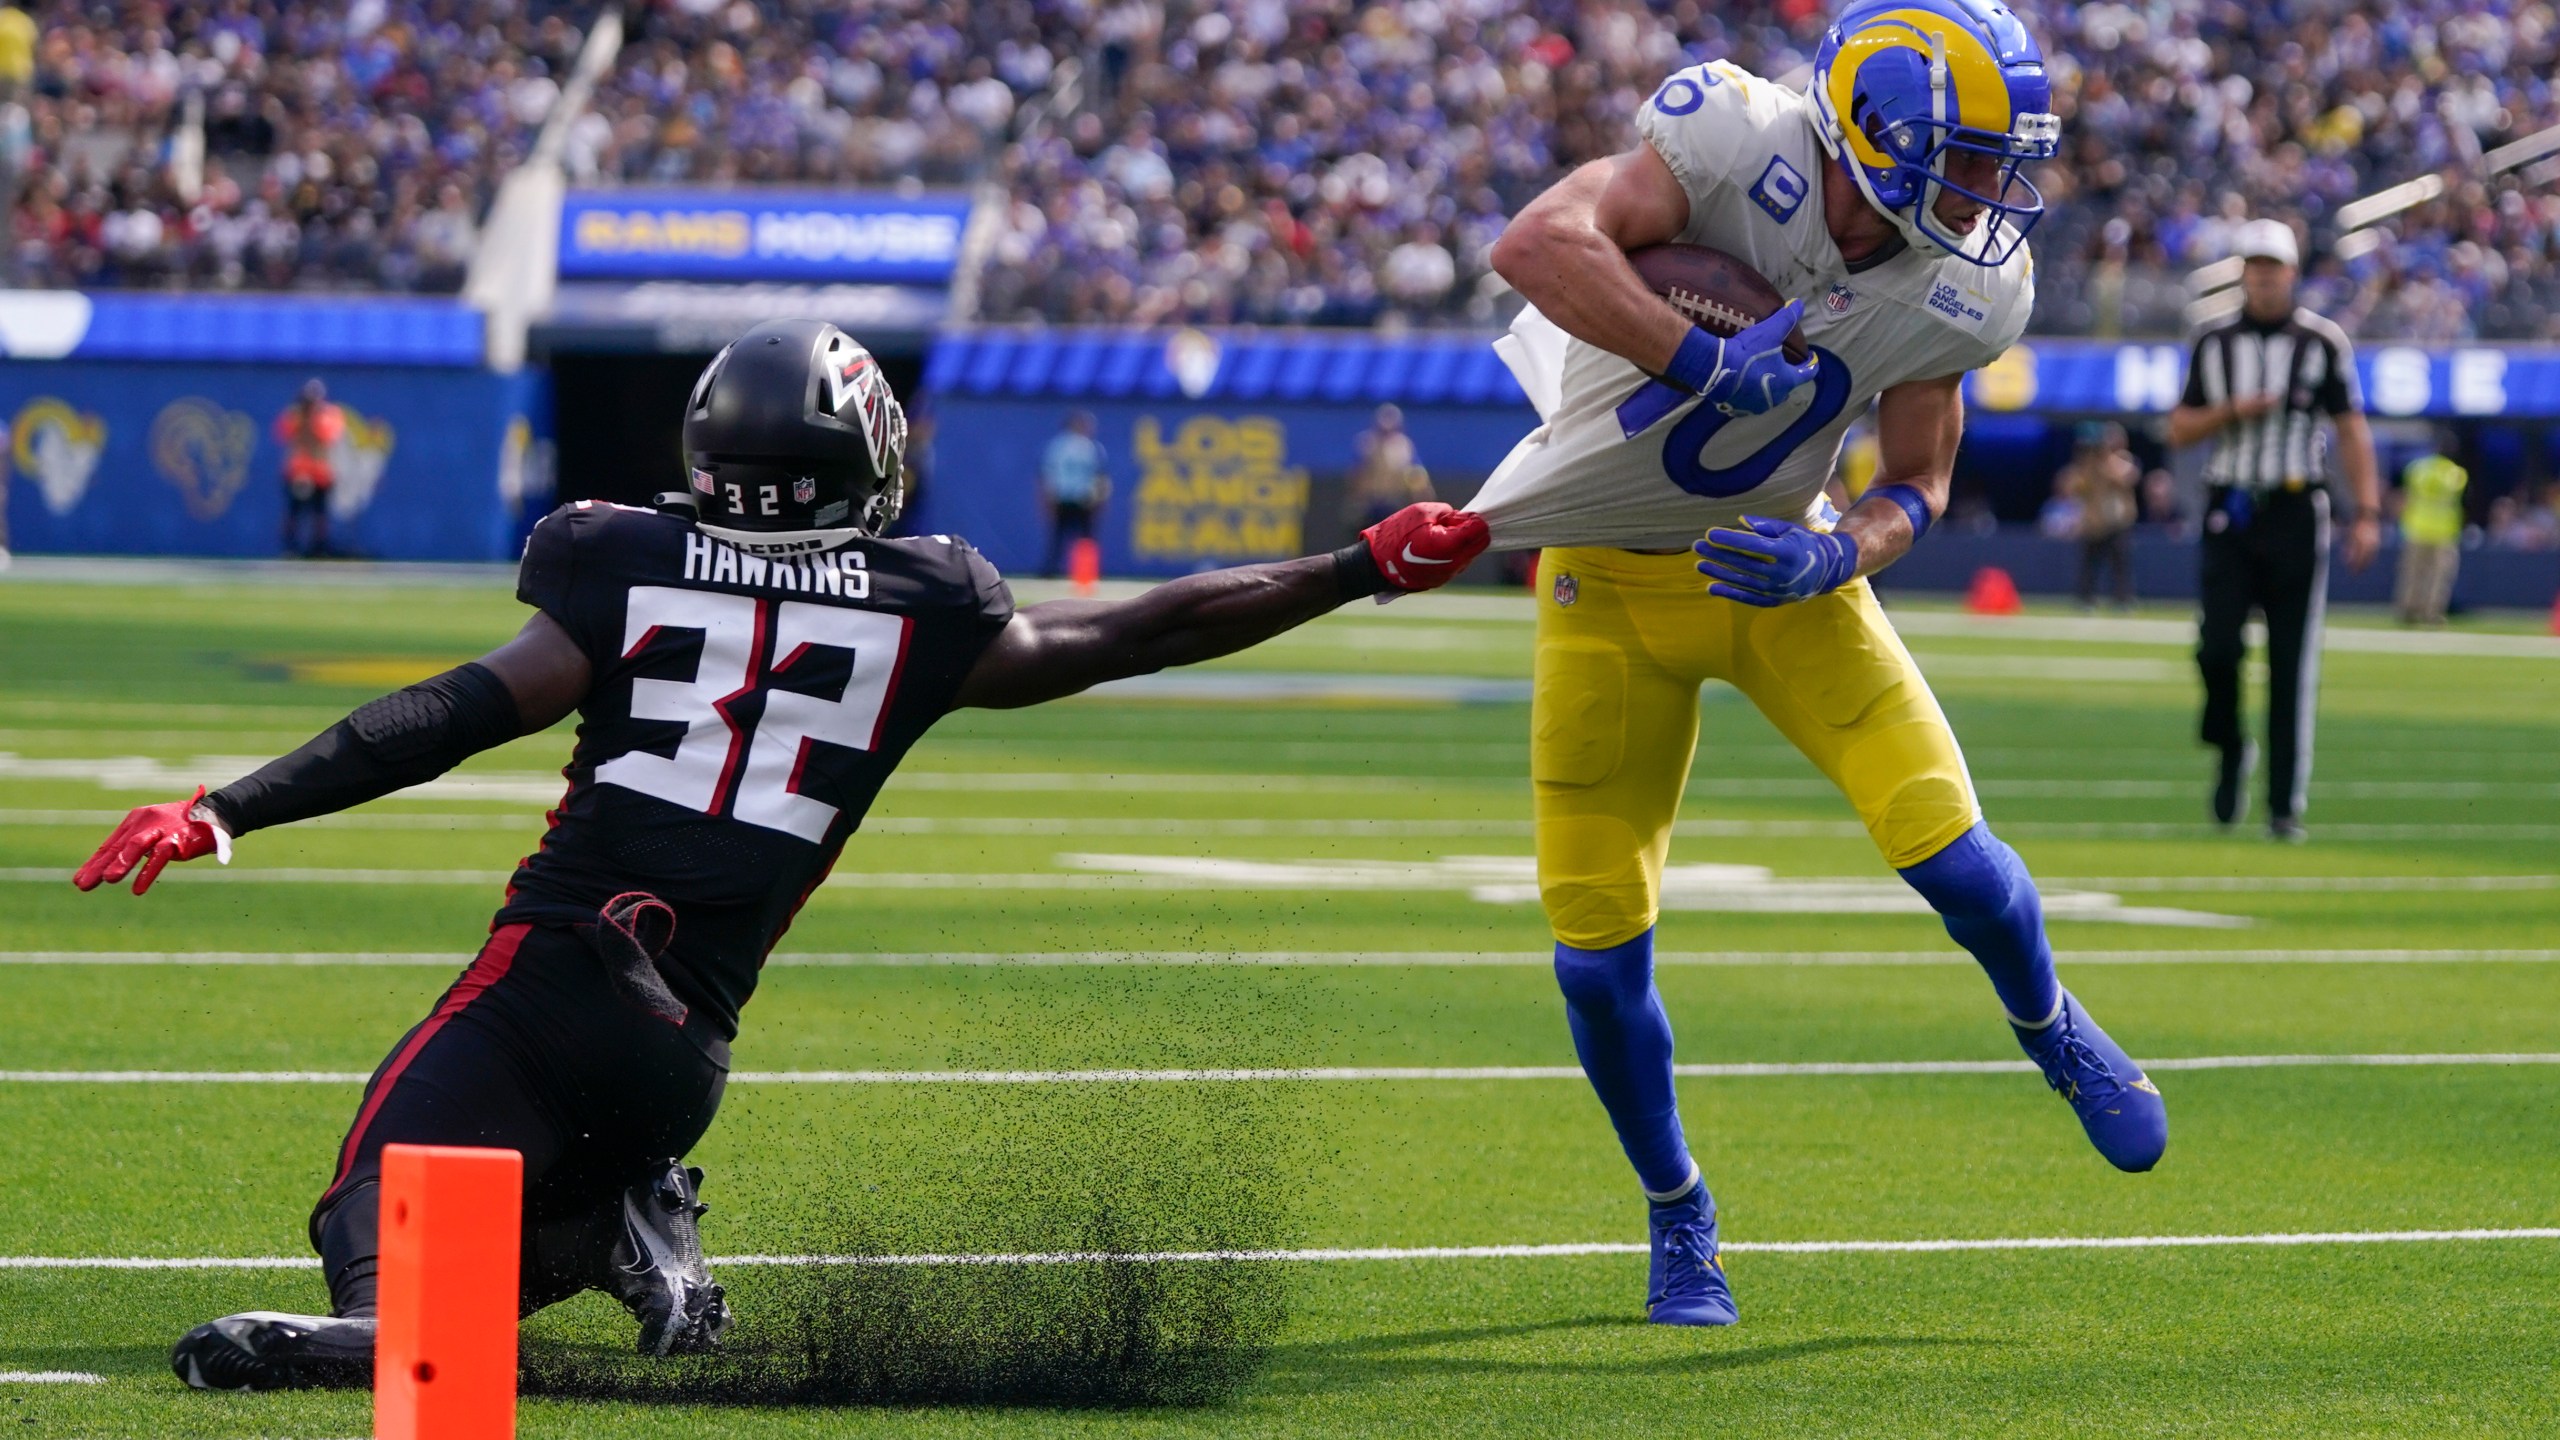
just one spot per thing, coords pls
(1891, 197)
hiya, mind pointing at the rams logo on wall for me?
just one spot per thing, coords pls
(57, 447)
(362, 449)
(203, 450)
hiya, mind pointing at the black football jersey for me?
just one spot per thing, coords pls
(744, 712)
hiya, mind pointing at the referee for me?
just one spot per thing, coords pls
(2258, 386)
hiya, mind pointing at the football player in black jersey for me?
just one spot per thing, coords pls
(749, 661)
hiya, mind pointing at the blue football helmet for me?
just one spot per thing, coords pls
(1902, 86)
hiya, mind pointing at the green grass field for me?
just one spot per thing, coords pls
(1317, 859)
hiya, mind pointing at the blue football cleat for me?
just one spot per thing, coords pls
(2117, 1104)
(1686, 1283)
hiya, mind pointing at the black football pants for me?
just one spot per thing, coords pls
(532, 1050)
(2267, 552)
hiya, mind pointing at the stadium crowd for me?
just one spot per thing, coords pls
(1239, 160)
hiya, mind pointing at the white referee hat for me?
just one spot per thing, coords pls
(2266, 240)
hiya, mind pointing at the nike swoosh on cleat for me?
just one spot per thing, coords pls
(1412, 559)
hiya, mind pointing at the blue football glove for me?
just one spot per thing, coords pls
(1745, 375)
(1775, 562)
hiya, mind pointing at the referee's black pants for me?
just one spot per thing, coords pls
(2267, 551)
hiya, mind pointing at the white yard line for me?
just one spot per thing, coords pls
(1489, 878)
(2114, 630)
(1357, 827)
(1782, 959)
(1568, 1250)
(357, 820)
(50, 1377)
(1746, 1070)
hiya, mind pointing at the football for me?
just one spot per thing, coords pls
(1713, 289)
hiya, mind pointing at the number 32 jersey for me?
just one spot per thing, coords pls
(1747, 152)
(744, 713)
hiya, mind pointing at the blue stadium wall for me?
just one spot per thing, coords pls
(1240, 456)
(150, 431)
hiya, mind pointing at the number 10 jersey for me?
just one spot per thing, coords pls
(743, 714)
(1746, 151)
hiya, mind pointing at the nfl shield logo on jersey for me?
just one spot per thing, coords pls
(804, 490)
(1568, 589)
(1839, 300)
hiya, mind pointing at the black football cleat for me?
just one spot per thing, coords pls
(658, 1270)
(268, 1350)
(2231, 784)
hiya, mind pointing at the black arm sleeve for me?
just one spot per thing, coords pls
(405, 738)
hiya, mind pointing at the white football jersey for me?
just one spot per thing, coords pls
(1747, 151)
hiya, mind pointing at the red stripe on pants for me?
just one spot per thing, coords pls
(487, 969)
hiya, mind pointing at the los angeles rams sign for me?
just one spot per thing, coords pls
(761, 235)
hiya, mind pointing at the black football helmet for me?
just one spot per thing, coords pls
(793, 441)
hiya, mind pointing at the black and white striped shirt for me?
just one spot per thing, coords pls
(2305, 362)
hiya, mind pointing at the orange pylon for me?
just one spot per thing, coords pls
(444, 1359)
(1992, 592)
(1084, 565)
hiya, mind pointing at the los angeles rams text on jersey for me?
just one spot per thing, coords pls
(1749, 155)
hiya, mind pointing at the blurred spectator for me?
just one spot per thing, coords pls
(2103, 480)
(2160, 501)
(1386, 475)
(309, 430)
(1072, 488)
(17, 53)
(2523, 522)
(2430, 535)
(1181, 161)
(1332, 163)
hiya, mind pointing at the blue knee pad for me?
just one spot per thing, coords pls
(1624, 1040)
(1982, 890)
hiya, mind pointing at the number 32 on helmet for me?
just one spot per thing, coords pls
(1905, 87)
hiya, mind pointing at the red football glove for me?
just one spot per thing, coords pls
(150, 837)
(1423, 547)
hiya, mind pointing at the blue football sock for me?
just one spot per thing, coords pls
(1624, 1039)
(1982, 890)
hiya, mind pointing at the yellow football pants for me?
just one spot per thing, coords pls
(1624, 642)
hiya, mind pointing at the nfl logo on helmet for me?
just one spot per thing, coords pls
(804, 490)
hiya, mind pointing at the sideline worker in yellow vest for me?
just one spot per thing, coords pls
(2430, 536)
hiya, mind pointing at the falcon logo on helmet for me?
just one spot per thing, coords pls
(1904, 88)
(858, 394)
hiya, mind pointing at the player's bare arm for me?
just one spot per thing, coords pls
(2364, 477)
(1918, 425)
(405, 738)
(1057, 649)
(1566, 253)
